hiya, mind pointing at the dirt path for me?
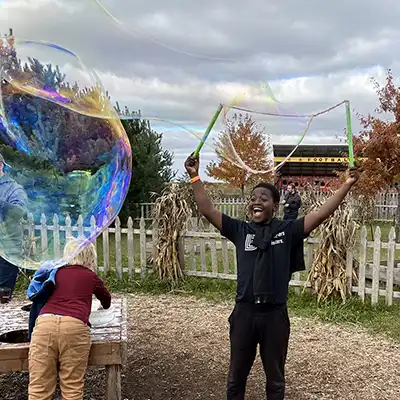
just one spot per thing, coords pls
(179, 349)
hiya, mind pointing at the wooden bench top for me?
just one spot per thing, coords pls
(108, 341)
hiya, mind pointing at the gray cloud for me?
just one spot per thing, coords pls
(314, 54)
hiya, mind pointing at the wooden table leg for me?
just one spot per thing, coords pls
(113, 377)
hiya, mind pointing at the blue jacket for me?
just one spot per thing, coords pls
(42, 283)
(39, 291)
(13, 207)
(12, 194)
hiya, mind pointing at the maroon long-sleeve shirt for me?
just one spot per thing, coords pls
(72, 296)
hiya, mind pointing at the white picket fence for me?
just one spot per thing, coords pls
(205, 253)
(385, 207)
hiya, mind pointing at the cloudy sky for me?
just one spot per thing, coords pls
(177, 60)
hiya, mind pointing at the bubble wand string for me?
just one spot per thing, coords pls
(208, 130)
(238, 162)
(153, 39)
(349, 134)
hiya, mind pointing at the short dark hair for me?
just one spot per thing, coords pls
(275, 192)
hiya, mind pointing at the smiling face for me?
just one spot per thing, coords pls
(262, 206)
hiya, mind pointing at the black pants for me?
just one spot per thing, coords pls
(270, 328)
(8, 274)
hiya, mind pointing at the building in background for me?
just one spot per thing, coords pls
(315, 165)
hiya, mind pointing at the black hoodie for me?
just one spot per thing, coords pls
(294, 201)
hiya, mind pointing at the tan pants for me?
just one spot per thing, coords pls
(59, 344)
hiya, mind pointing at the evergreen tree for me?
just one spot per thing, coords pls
(151, 166)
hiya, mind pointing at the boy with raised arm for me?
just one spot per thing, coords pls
(268, 251)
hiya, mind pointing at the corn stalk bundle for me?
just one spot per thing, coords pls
(186, 190)
(337, 235)
(171, 213)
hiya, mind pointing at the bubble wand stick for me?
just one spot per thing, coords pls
(349, 135)
(208, 130)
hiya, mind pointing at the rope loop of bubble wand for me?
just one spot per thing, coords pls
(289, 115)
(155, 40)
(240, 163)
(311, 116)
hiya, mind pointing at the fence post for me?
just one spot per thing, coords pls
(31, 234)
(106, 246)
(81, 231)
(203, 260)
(154, 239)
(93, 228)
(43, 234)
(214, 259)
(363, 262)
(376, 266)
(390, 266)
(56, 237)
(143, 243)
(192, 253)
(118, 248)
(297, 289)
(68, 228)
(131, 249)
(181, 253)
(225, 259)
(310, 255)
(200, 225)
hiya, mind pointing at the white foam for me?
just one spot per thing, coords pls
(100, 317)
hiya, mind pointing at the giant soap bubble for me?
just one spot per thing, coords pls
(65, 164)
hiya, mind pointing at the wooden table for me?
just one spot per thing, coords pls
(108, 344)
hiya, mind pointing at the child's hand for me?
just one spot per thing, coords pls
(353, 175)
(192, 166)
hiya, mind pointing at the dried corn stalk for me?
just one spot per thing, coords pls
(197, 222)
(337, 234)
(171, 211)
(186, 190)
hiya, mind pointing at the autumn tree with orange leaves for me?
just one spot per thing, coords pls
(253, 146)
(379, 143)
